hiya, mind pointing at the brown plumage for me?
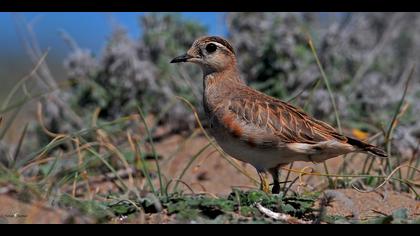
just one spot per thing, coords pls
(256, 128)
(287, 123)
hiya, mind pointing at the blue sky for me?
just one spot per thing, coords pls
(89, 29)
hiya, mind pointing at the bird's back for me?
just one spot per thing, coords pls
(256, 121)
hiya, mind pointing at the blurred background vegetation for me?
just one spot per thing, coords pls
(86, 80)
(366, 58)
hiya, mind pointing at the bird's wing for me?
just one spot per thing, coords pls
(269, 121)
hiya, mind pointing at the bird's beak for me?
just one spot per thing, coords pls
(182, 58)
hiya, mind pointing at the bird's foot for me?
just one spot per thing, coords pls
(265, 187)
(276, 188)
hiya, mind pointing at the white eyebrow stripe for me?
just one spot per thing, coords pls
(219, 45)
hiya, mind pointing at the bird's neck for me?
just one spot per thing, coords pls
(215, 79)
(219, 85)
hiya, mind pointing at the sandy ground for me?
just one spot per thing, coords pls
(212, 174)
(14, 212)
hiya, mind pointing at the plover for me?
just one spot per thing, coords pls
(256, 128)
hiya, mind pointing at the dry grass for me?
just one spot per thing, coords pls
(108, 169)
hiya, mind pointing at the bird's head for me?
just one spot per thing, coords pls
(212, 53)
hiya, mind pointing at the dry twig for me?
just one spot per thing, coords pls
(280, 216)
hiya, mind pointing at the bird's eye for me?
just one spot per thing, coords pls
(211, 47)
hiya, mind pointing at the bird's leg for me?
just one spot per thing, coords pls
(276, 183)
(264, 181)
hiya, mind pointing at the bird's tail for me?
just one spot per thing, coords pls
(367, 147)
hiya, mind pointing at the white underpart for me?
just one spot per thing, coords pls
(265, 158)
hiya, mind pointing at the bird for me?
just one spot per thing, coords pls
(256, 128)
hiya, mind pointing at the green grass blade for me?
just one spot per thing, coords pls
(153, 149)
(327, 83)
(392, 124)
(19, 146)
(22, 81)
(109, 167)
(145, 170)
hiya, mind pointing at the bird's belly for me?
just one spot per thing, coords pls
(267, 157)
(260, 158)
